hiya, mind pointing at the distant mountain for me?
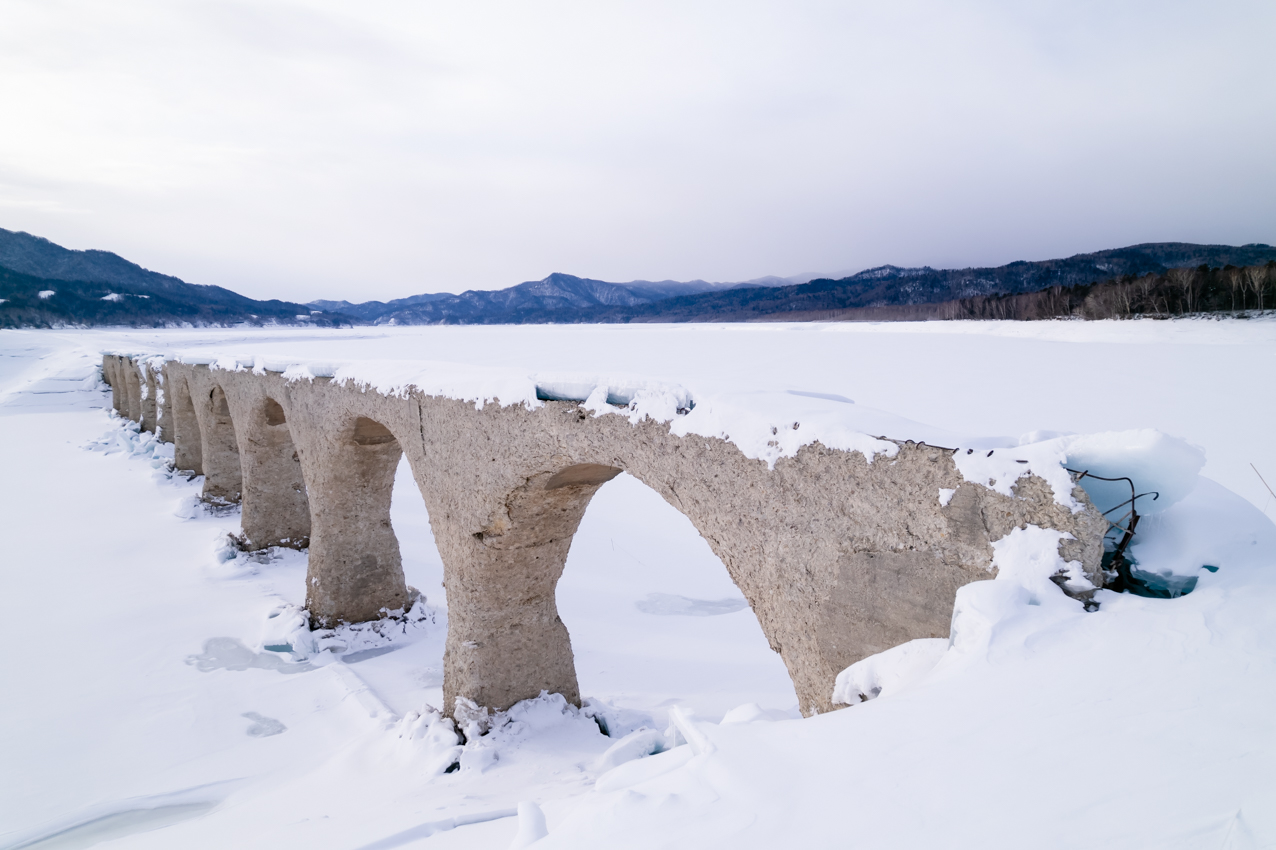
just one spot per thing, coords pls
(566, 298)
(891, 285)
(559, 297)
(45, 285)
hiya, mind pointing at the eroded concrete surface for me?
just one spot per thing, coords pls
(839, 557)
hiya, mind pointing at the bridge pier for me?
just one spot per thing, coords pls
(163, 410)
(111, 375)
(349, 456)
(133, 390)
(148, 393)
(509, 641)
(275, 509)
(219, 445)
(188, 444)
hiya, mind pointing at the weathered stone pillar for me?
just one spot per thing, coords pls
(276, 511)
(163, 405)
(111, 375)
(506, 641)
(188, 451)
(349, 459)
(148, 392)
(223, 479)
(133, 383)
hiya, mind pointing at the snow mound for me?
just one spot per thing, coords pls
(887, 672)
(287, 630)
(1154, 461)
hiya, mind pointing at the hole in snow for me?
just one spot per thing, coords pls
(1132, 580)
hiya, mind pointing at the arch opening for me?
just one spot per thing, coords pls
(655, 618)
(634, 625)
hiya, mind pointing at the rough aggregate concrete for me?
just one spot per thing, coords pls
(111, 375)
(133, 389)
(149, 392)
(188, 443)
(219, 445)
(164, 410)
(275, 509)
(838, 556)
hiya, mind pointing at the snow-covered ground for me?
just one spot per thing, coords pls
(142, 709)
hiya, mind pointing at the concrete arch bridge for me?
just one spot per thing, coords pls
(840, 557)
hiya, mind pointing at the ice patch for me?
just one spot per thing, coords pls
(226, 653)
(615, 722)
(635, 772)
(263, 727)
(288, 626)
(635, 745)
(129, 439)
(672, 605)
(481, 740)
(145, 817)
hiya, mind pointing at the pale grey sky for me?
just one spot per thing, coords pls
(383, 148)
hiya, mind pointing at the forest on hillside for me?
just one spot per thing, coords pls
(1232, 290)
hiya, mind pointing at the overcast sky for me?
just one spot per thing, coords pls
(377, 149)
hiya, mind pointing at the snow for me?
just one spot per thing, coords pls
(152, 701)
(112, 296)
(46, 293)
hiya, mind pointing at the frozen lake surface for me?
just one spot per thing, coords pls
(143, 710)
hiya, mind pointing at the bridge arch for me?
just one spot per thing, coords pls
(276, 509)
(642, 584)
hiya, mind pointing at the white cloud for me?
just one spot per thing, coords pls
(374, 150)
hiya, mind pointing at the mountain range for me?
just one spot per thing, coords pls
(44, 285)
(557, 295)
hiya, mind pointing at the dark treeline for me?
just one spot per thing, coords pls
(1177, 292)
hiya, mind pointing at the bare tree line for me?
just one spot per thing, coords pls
(1178, 292)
